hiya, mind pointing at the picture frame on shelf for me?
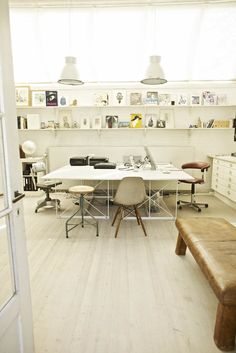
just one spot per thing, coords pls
(152, 98)
(97, 122)
(195, 99)
(167, 115)
(38, 98)
(183, 99)
(164, 99)
(22, 94)
(136, 121)
(150, 121)
(51, 98)
(161, 124)
(119, 97)
(84, 122)
(222, 99)
(123, 124)
(135, 98)
(33, 121)
(209, 98)
(112, 121)
(101, 99)
(65, 119)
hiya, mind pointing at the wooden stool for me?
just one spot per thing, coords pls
(81, 191)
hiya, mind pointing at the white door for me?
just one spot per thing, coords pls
(15, 304)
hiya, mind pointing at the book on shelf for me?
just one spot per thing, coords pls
(136, 120)
(21, 122)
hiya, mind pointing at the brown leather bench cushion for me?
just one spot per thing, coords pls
(212, 242)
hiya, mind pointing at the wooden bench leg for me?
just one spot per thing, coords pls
(225, 327)
(180, 246)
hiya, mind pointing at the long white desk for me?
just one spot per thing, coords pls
(164, 172)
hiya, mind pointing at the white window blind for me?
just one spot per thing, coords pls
(196, 42)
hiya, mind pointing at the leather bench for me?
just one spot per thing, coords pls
(212, 242)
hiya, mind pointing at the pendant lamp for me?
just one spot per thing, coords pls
(154, 74)
(69, 74)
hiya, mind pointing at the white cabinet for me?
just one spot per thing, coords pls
(224, 177)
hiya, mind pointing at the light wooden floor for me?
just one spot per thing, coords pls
(126, 295)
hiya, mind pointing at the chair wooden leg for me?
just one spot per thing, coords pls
(140, 220)
(117, 212)
(119, 222)
(137, 215)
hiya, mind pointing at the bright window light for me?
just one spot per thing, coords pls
(195, 42)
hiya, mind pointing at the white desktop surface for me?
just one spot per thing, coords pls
(163, 172)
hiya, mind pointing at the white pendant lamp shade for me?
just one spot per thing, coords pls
(70, 75)
(154, 74)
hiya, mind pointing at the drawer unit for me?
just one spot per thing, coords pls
(224, 178)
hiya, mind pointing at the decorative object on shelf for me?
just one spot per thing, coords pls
(135, 98)
(22, 96)
(150, 121)
(183, 99)
(65, 119)
(97, 122)
(84, 123)
(75, 125)
(167, 115)
(164, 99)
(119, 97)
(111, 121)
(136, 120)
(51, 99)
(161, 124)
(101, 99)
(33, 121)
(209, 98)
(154, 74)
(38, 99)
(70, 74)
(152, 98)
(28, 147)
(51, 124)
(62, 101)
(195, 99)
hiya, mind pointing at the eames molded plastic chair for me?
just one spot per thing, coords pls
(130, 195)
(203, 167)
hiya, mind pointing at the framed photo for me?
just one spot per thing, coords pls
(135, 98)
(65, 119)
(101, 99)
(164, 99)
(195, 99)
(111, 121)
(209, 98)
(38, 99)
(22, 96)
(183, 99)
(167, 115)
(97, 122)
(51, 99)
(150, 121)
(85, 123)
(123, 124)
(136, 121)
(152, 98)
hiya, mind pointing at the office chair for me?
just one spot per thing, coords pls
(46, 186)
(130, 194)
(80, 191)
(203, 167)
